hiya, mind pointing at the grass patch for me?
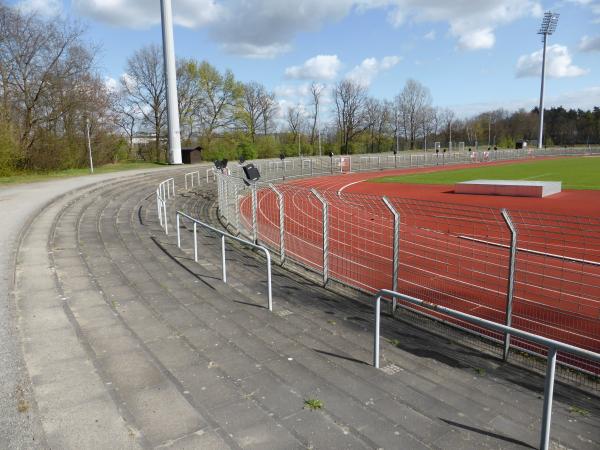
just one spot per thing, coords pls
(575, 173)
(313, 404)
(31, 177)
(395, 342)
(577, 410)
(22, 405)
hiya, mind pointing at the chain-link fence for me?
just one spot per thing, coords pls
(538, 272)
(299, 167)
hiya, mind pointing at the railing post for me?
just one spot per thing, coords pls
(269, 282)
(396, 249)
(325, 236)
(511, 278)
(166, 220)
(237, 207)
(281, 222)
(223, 262)
(195, 243)
(178, 230)
(376, 332)
(158, 209)
(254, 214)
(548, 395)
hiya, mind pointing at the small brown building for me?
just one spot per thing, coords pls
(191, 155)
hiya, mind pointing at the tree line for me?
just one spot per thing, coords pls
(52, 94)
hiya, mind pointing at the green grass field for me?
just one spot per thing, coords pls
(45, 176)
(575, 173)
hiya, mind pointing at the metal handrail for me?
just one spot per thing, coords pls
(164, 191)
(191, 177)
(223, 260)
(553, 347)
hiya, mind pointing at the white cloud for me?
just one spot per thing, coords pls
(144, 13)
(266, 28)
(256, 51)
(477, 39)
(111, 84)
(472, 22)
(586, 98)
(292, 91)
(367, 70)
(430, 36)
(320, 67)
(47, 8)
(590, 44)
(559, 64)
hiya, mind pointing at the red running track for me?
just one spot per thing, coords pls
(452, 254)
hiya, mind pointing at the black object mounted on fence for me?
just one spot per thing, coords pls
(251, 172)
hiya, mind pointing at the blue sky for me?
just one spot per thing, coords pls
(472, 54)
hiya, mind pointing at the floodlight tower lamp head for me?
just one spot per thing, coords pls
(549, 23)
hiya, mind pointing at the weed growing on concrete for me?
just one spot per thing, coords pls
(313, 404)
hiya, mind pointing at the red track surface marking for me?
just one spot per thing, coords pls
(445, 251)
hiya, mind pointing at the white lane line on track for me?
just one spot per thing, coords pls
(340, 190)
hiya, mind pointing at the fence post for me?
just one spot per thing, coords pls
(254, 215)
(223, 262)
(281, 223)
(178, 230)
(237, 207)
(166, 219)
(195, 242)
(548, 396)
(396, 246)
(376, 332)
(325, 236)
(158, 209)
(511, 278)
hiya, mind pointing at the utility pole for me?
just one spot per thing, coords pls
(89, 143)
(171, 78)
(547, 27)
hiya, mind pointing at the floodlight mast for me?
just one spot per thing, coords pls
(171, 80)
(547, 27)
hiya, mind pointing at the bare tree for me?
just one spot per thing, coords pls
(413, 101)
(39, 60)
(428, 123)
(349, 98)
(447, 118)
(268, 108)
(294, 120)
(144, 83)
(251, 108)
(316, 90)
(126, 116)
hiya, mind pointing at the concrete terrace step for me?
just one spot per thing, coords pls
(174, 358)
